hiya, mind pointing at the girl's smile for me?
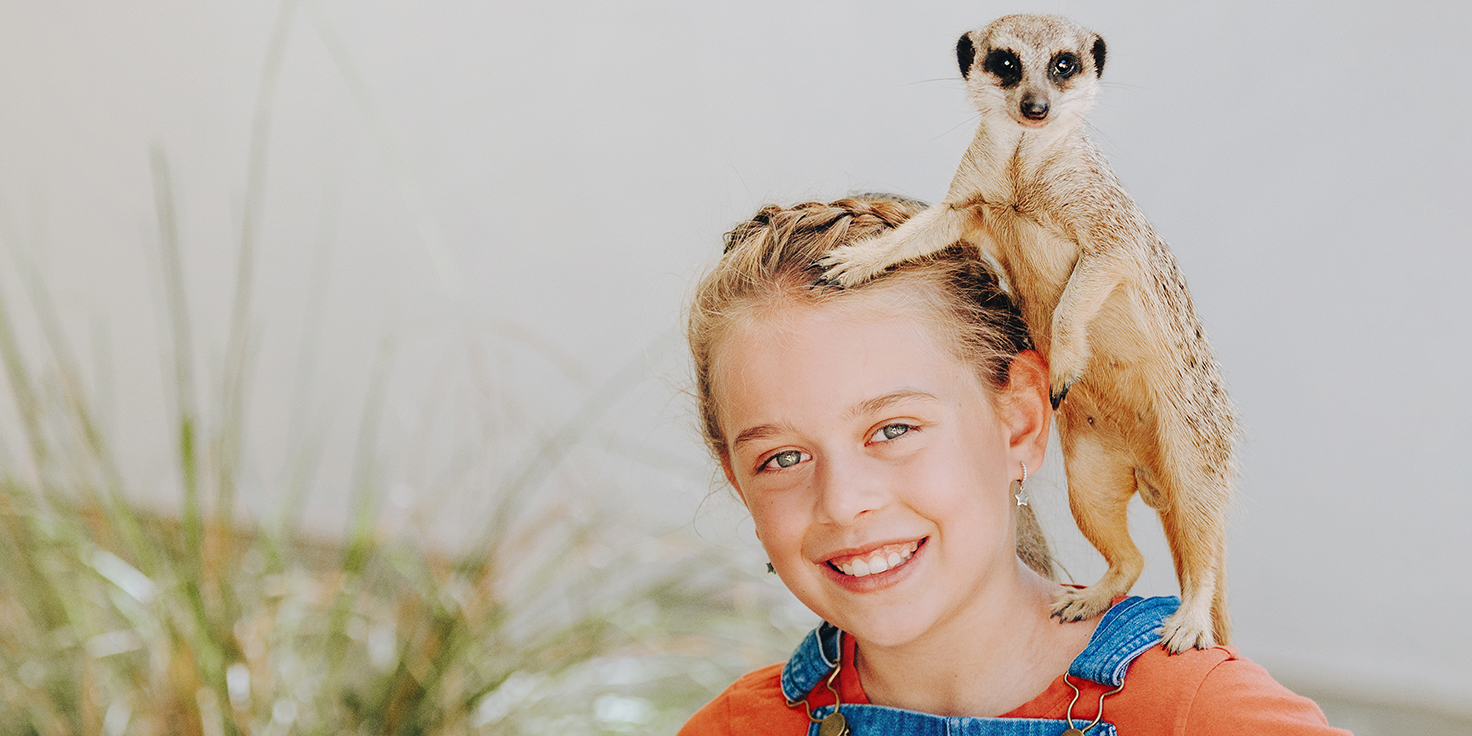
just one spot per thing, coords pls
(879, 560)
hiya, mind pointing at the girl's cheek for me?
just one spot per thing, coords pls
(766, 509)
(775, 521)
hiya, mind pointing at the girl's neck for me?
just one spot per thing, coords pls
(986, 661)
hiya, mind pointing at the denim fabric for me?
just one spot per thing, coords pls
(814, 659)
(877, 720)
(1125, 632)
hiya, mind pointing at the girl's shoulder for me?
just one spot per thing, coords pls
(753, 704)
(1208, 691)
(1143, 689)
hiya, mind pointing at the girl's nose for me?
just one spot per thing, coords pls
(848, 489)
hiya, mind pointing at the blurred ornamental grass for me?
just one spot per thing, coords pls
(564, 615)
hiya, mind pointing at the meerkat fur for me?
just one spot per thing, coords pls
(1145, 408)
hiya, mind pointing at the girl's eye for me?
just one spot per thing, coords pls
(785, 459)
(889, 432)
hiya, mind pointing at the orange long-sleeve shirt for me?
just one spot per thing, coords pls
(1211, 692)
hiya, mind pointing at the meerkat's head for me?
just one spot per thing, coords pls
(1032, 70)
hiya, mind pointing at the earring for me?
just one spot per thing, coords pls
(1018, 491)
(770, 568)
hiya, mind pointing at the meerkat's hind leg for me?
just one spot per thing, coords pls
(1100, 484)
(1194, 498)
(934, 229)
(1195, 527)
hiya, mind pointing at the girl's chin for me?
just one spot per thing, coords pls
(893, 627)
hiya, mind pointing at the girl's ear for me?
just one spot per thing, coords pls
(1027, 409)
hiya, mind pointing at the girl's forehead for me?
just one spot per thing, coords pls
(788, 317)
(777, 355)
(793, 322)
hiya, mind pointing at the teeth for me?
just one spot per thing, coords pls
(878, 561)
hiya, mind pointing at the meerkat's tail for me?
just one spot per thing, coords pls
(1221, 618)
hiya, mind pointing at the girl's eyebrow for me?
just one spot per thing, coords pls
(867, 406)
(758, 432)
(880, 403)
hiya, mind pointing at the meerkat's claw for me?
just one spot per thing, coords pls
(820, 281)
(1073, 604)
(841, 274)
(854, 264)
(1180, 633)
(1179, 639)
(1058, 395)
(1067, 367)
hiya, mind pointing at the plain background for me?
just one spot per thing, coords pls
(551, 177)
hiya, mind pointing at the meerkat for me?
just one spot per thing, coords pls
(1145, 409)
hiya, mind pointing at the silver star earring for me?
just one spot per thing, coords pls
(1018, 491)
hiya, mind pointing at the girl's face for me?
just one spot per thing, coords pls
(875, 464)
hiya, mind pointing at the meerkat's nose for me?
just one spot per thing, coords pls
(1034, 107)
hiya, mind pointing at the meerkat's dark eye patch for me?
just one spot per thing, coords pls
(1063, 65)
(965, 54)
(1005, 65)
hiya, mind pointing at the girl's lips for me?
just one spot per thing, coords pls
(875, 561)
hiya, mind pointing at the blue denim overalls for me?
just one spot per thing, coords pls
(1125, 632)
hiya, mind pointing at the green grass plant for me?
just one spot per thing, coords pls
(565, 614)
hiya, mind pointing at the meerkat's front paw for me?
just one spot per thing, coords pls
(1185, 629)
(856, 263)
(1065, 368)
(1073, 604)
(1059, 383)
(1057, 393)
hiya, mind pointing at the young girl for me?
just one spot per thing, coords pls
(881, 437)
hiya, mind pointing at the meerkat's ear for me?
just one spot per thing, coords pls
(1098, 56)
(965, 54)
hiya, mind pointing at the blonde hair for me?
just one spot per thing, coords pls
(769, 262)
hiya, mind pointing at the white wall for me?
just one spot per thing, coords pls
(571, 167)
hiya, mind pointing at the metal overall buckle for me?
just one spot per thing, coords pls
(834, 724)
(1075, 730)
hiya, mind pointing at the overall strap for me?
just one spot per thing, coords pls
(815, 657)
(1127, 630)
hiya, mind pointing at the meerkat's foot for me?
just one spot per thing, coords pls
(856, 263)
(1187, 628)
(1073, 604)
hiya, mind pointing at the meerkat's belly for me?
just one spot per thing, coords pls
(1127, 355)
(1036, 258)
